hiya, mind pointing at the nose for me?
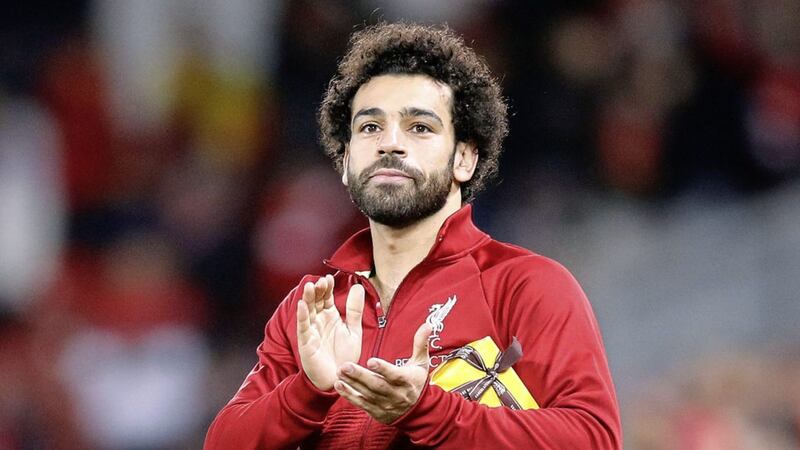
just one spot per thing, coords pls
(391, 142)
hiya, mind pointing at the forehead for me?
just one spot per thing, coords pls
(394, 92)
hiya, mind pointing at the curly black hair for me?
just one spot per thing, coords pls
(480, 114)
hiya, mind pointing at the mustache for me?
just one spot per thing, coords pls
(390, 162)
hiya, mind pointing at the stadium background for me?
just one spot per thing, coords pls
(161, 188)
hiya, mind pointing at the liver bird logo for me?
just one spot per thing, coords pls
(436, 319)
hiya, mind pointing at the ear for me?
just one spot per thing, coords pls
(345, 162)
(465, 161)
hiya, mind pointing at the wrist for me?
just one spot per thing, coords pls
(411, 411)
(320, 385)
(306, 400)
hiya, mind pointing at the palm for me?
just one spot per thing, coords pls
(325, 341)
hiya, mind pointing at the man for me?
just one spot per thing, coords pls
(414, 121)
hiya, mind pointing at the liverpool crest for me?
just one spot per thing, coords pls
(435, 320)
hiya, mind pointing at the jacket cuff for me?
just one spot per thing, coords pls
(307, 401)
(423, 413)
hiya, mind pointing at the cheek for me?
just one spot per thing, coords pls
(442, 156)
(355, 166)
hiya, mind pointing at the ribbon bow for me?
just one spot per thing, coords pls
(473, 390)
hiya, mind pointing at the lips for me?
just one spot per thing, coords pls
(391, 173)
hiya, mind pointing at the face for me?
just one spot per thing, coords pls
(402, 162)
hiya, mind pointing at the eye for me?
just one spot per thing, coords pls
(368, 128)
(420, 128)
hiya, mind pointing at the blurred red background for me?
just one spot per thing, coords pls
(162, 188)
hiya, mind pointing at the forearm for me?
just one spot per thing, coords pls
(448, 421)
(275, 420)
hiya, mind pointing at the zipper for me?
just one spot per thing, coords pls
(381, 325)
(381, 315)
(383, 320)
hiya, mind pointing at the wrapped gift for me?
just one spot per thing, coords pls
(479, 371)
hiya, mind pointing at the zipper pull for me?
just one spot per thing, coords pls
(381, 315)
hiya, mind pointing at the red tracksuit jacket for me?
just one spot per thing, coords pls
(502, 291)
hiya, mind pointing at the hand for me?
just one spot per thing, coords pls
(324, 341)
(387, 392)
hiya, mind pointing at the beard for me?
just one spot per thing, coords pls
(400, 205)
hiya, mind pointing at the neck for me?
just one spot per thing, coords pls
(396, 251)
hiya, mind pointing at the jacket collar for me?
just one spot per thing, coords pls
(457, 236)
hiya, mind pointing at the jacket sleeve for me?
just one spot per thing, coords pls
(564, 366)
(277, 406)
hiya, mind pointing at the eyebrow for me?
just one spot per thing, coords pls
(367, 112)
(405, 112)
(419, 112)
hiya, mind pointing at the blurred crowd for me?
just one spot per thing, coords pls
(162, 189)
(747, 401)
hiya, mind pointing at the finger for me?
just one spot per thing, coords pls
(353, 396)
(328, 296)
(319, 293)
(367, 383)
(420, 355)
(309, 296)
(381, 367)
(392, 374)
(303, 323)
(355, 308)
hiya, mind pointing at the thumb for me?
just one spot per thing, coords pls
(420, 354)
(354, 308)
